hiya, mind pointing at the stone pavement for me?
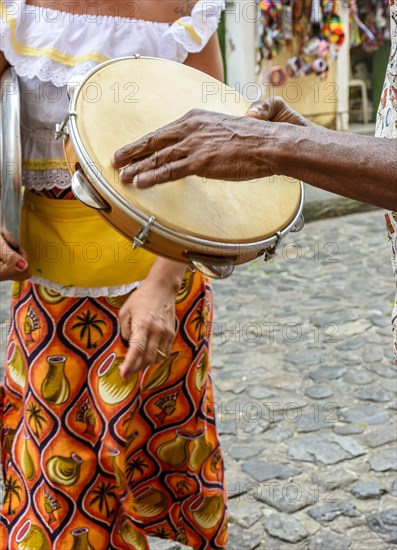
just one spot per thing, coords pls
(306, 392)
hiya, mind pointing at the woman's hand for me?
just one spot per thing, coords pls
(147, 318)
(13, 266)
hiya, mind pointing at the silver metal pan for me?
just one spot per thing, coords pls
(10, 159)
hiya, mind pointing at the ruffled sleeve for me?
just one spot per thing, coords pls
(191, 34)
(50, 45)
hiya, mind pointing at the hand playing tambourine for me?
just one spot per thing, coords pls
(210, 145)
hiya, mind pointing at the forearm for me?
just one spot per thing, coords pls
(359, 167)
(209, 60)
(166, 274)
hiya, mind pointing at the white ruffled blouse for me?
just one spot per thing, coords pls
(54, 46)
(48, 48)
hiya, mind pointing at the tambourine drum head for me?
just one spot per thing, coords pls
(126, 99)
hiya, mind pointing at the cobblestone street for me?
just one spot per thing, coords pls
(306, 392)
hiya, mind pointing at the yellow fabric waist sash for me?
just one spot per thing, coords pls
(70, 244)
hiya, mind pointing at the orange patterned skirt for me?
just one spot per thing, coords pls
(93, 461)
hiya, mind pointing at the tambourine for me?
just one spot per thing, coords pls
(211, 224)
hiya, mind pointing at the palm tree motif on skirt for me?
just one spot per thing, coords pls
(12, 491)
(200, 319)
(136, 465)
(88, 323)
(36, 418)
(9, 436)
(104, 492)
(160, 533)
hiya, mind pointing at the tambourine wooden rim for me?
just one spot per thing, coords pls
(99, 193)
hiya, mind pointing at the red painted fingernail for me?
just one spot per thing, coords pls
(22, 264)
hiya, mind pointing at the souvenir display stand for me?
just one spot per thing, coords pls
(304, 52)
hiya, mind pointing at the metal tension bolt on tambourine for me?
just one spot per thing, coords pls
(211, 224)
(10, 159)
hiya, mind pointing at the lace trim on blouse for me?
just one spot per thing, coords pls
(80, 292)
(46, 179)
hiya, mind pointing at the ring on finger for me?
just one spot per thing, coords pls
(161, 353)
